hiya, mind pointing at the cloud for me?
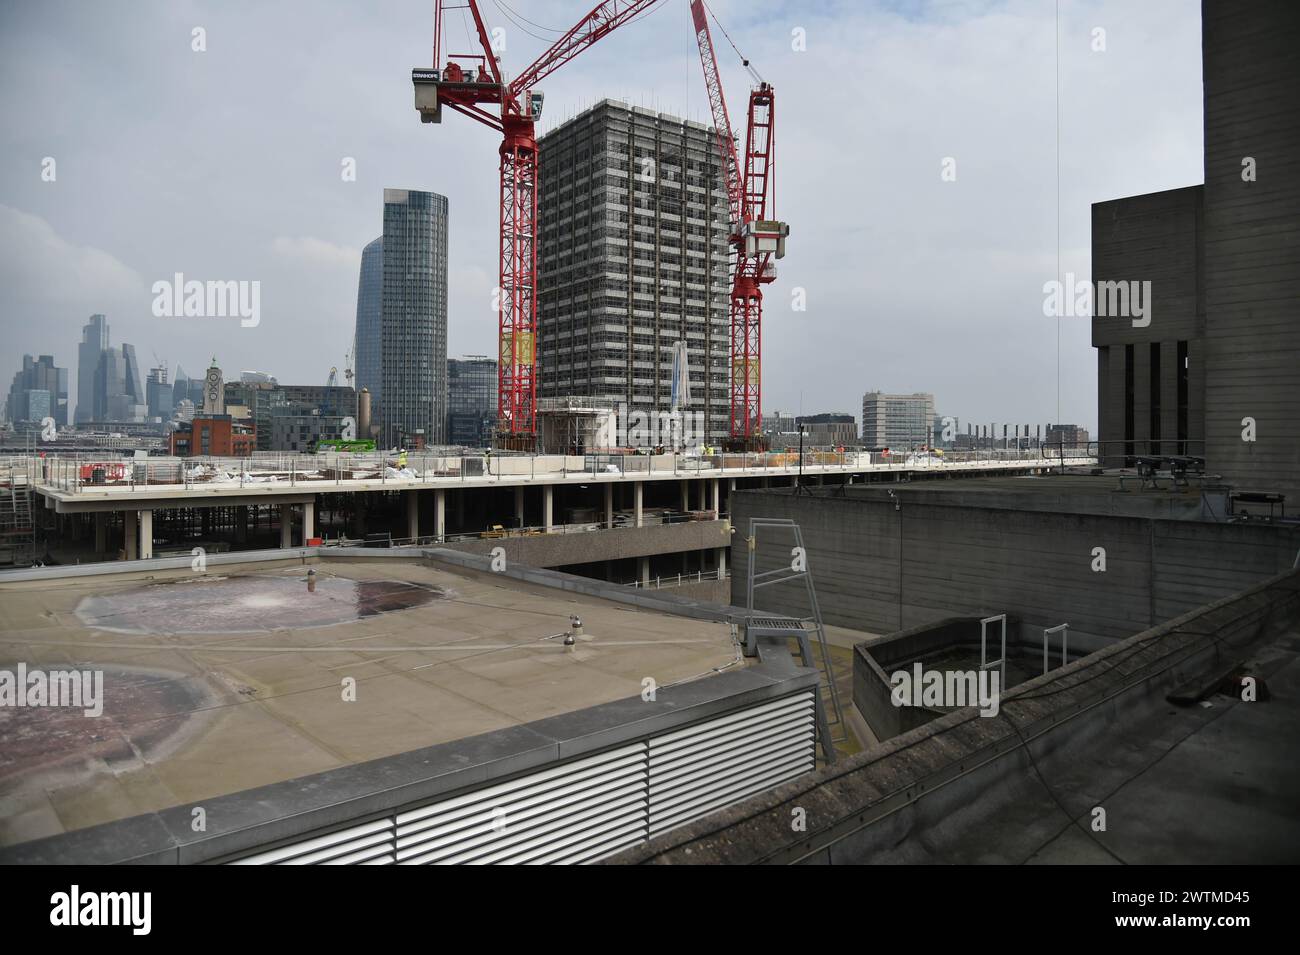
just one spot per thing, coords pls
(39, 265)
(316, 253)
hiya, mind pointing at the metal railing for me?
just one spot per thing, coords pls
(90, 471)
(661, 582)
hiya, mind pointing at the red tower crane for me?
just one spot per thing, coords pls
(755, 237)
(470, 83)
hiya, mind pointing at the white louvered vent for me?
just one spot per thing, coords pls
(696, 770)
(589, 808)
(368, 844)
(571, 813)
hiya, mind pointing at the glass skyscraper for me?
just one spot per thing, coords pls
(370, 287)
(410, 405)
(471, 399)
(94, 340)
(118, 395)
(39, 389)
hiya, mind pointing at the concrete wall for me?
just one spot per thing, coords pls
(949, 791)
(1154, 238)
(882, 569)
(562, 550)
(1252, 243)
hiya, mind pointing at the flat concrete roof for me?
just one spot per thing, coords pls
(61, 494)
(220, 682)
(1072, 492)
(1210, 781)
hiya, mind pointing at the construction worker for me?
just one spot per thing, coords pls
(401, 459)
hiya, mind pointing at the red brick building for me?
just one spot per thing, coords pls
(213, 435)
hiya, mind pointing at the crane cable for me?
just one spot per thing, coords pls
(744, 62)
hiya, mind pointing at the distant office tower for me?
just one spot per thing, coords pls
(1070, 435)
(777, 422)
(370, 288)
(411, 400)
(184, 390)
(828, 429)
(632, 258)
(158, 393)
(118, 396)
(39, 390)
(896, 421)
(471, 399)
(94, 339)
(261, 405)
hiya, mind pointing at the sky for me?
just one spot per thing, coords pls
(227, 164)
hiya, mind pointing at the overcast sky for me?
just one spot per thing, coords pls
(226, 165)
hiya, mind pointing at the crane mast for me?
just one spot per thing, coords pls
(472, 84)
(755, 237)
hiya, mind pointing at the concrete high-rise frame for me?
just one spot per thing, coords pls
(633, 256)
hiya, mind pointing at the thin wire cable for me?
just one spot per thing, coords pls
(539, 26)
(510, 16)
(743, 60)
(1058, 206)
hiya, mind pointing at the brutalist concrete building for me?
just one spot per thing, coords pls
(1215, 371)
(633, 257)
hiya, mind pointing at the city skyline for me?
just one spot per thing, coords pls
(286, 216)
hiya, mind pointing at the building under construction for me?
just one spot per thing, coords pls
(633, 257)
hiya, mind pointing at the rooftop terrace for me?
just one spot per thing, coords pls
(221, 682)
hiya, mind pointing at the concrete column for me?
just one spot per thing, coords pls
(519, 506)
(722, 562)
(703, 490)
(146, 535)
(440, 513)
(686, 495)
(308, 521)
(101, 532)
(765, 482)
(609, 505)
(717, 498)
(130, 534)
(636, 498)
(286, 526)
(460, 509)
(643, 564)
(241, 524)
(548, 503)
(413, 514)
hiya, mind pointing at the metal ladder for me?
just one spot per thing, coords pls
(19, 530)
(830, 715)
